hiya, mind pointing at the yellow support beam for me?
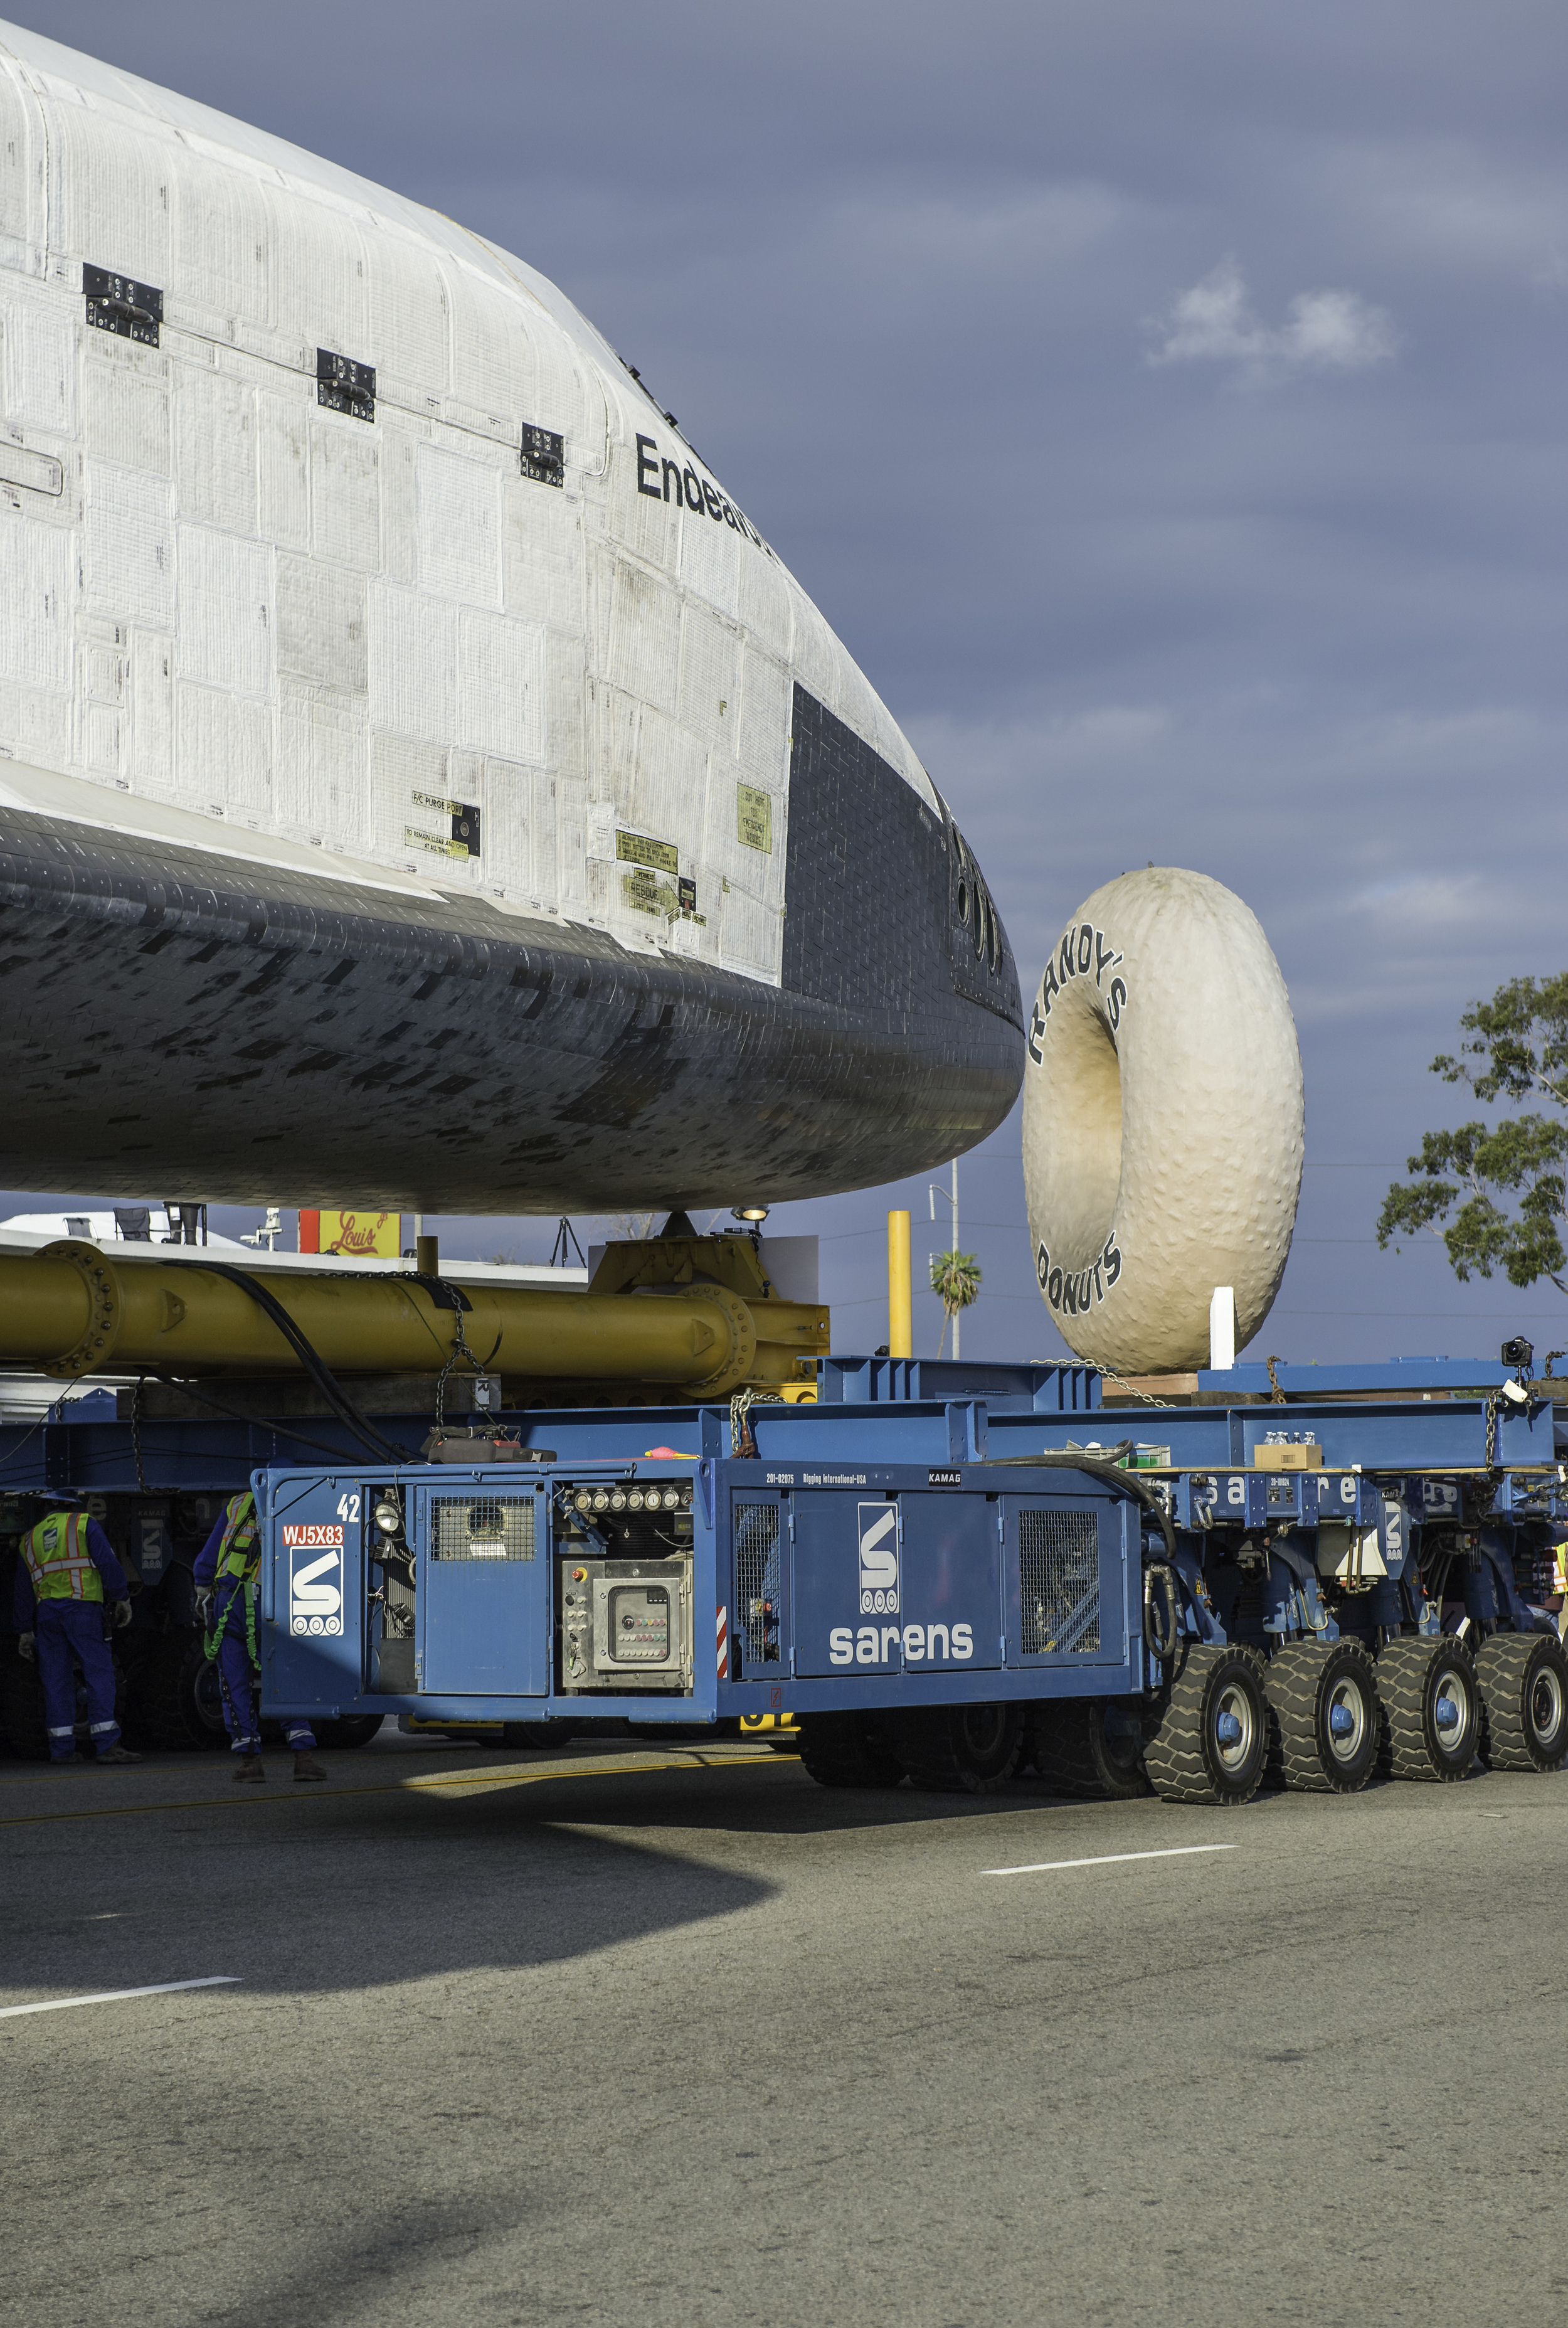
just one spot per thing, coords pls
(73, 1311)
(901, 1321)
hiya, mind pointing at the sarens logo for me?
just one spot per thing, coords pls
(878, 1558)
(880, 1588)
(315, 1579)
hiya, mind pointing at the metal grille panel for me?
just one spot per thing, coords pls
(1059, 1573)
(758, 1582)
(481, 1528)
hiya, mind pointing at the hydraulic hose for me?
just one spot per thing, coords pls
(1063, 1459)
(384, 1450)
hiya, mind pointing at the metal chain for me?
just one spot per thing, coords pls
(741, 1439)
(137, 1432)
(1493, 1403)
(1276, 1395)
(1108, 1374)
(460, 1349)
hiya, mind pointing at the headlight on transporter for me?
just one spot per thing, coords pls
(387, 1518)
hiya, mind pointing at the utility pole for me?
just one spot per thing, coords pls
(932, 1191)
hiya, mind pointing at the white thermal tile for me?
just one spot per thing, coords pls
(459, 520)
(764, 601)
(125, 412)
(413, 663)
(99, 737)
(710, 555)
(321, 779)
(36, 602)
(766, 701)
(321, 624)
(710, 700)
(411, 319)
(40, 365)
(317, 266)
(223, 753)
(750, 933)
(110, 192)
(283, 444)
(215, 467)
(501, 695)
(225, 611)
(644, 656)
(152, 691)
(221, 239)
(345, 496)
(130, 546)
(20, 137)
(541, 555)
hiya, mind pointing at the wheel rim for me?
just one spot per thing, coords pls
(984, 1731)
(1546, 1707)
(1234, 1727)
(1349, 1736)
(1453, 1691)
(1121, 1748)
(207, 1696)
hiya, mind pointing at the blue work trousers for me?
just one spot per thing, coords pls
(68, 1633)
(238, 1681)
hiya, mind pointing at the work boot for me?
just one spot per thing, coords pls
(117, 1753)
(249, 1766)
(305, 1766)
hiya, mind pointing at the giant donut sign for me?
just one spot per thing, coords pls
(1163, 1122)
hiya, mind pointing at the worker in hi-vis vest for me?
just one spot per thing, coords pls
(226, 1573)
(67, 1569)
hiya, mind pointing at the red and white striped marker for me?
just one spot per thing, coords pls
(723, 1642)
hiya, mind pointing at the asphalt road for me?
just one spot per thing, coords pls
(679, 2038)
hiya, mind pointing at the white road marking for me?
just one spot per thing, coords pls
(114, 1996)
(1111, 1859)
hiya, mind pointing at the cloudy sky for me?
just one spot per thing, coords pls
(1166, 406)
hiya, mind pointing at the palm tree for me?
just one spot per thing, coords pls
(955, 1281)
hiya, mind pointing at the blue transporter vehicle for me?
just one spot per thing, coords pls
(1324, 1574)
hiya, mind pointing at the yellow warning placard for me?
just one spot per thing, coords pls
(754, 817)
(636, 848)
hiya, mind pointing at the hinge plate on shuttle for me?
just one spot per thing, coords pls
(543, 457)
(114, 302)
(344, 386)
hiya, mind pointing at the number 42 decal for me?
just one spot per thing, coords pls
(348, 1507)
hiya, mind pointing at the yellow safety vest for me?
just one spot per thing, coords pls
(239, 1553)
(58, 1559)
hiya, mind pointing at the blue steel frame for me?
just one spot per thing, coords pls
(325, 1673)
(1404, 1447)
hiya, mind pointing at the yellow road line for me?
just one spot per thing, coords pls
(259, 1800)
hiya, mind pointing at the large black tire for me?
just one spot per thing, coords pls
(847, 1750)
(348, 1730)
(1523, 1679)
(1325, 1728)
(971, 1749)
(1416, 1677)
(179, 1706)
(1091, 1747)
(22, 1706)
(1213, 1737)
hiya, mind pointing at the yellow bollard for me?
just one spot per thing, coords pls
(900, 1325)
